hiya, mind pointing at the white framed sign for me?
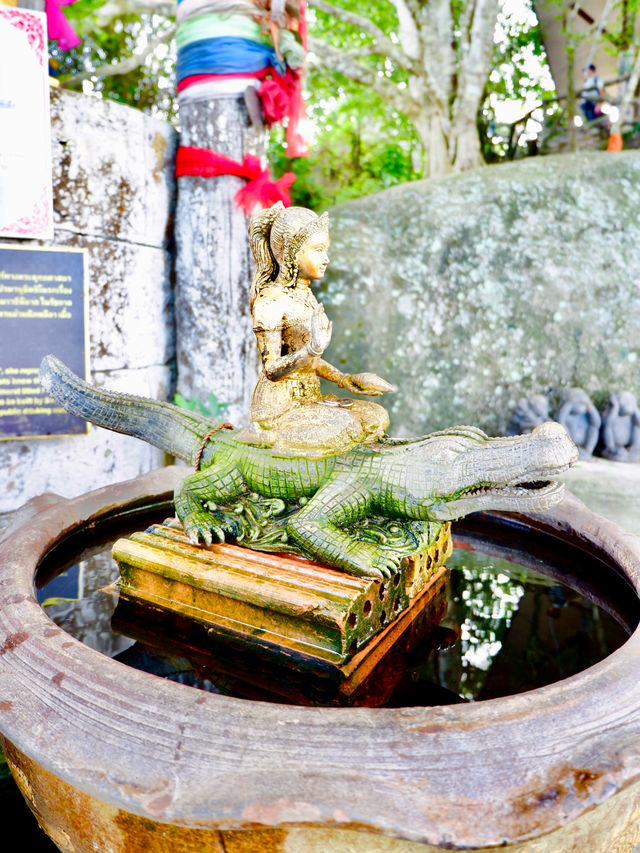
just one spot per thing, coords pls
(26, 196)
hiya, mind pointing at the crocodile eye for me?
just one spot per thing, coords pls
(444, 454)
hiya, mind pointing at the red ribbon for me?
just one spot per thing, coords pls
(259, 190)
(281, 98)
(296, 143)
(58, 27)
(303, 29)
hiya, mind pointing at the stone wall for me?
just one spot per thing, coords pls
(113, 195)
(474, 290)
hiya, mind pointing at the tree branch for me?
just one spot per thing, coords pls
(124, 66)
(413, 7)
(436, 35)
(628, 96)
(475, 63)
(359, 21)
(119, 8)
(384, 45)
(464, 24)
(476, 59)
(408, 29)
(333, 59)
(369, 49)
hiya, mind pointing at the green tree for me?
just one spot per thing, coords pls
(359, 148)
(394, 94)
(127, 53)
(425, 59)
(617, 31)
(363, 145)
(519, 77)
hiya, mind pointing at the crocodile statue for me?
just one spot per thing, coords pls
(436, 478)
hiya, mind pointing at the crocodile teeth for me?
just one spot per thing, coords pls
(538, 487)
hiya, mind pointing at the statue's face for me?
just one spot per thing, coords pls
(313, 257)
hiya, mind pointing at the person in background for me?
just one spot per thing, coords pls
(591, 92)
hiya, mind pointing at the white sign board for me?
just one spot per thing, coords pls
(26, 208)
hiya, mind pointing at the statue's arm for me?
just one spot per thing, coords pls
(593, 431)
(328, 371)
(354, 383)
(277, 366)
(268, 328)
(591, 440)
(635, 430)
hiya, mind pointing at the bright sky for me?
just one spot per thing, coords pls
(510, 111)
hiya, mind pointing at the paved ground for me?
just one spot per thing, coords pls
(4, 521)
(611, 489)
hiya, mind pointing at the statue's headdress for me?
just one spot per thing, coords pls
(276, 235)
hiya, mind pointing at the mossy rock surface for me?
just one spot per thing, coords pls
(474, 290)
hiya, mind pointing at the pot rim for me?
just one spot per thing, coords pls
(528, 763)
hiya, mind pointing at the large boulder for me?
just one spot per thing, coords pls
(474, 290)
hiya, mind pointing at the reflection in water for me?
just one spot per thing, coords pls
(518, 629)
(76, 602)
(496, 628)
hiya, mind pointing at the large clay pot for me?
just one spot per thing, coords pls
(111, 759)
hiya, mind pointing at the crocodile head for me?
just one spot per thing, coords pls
(512, 474)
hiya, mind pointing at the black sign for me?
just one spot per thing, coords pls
(42, 310)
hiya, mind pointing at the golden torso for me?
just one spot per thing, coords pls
(288, 312)
(288, 411)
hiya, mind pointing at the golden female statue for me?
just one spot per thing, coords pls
(288, 412)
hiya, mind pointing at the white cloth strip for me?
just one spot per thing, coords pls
(193, 8)
(223, 88)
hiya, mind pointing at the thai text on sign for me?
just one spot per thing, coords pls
(42, 310)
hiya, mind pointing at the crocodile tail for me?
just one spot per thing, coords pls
(176, 431)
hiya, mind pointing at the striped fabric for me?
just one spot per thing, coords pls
(224, 56)
(193, 8)
(224, 47)
(218, 26)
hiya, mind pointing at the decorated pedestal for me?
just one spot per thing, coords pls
(280, 601)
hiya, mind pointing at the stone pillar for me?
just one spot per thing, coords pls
(215, 343)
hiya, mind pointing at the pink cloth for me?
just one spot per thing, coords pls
(282, 98)
(57, 25)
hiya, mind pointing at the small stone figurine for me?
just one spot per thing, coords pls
(620, 434)
(581, 420)
(530, 413)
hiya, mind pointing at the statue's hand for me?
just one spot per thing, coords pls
(320, 332)
(365, 383)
